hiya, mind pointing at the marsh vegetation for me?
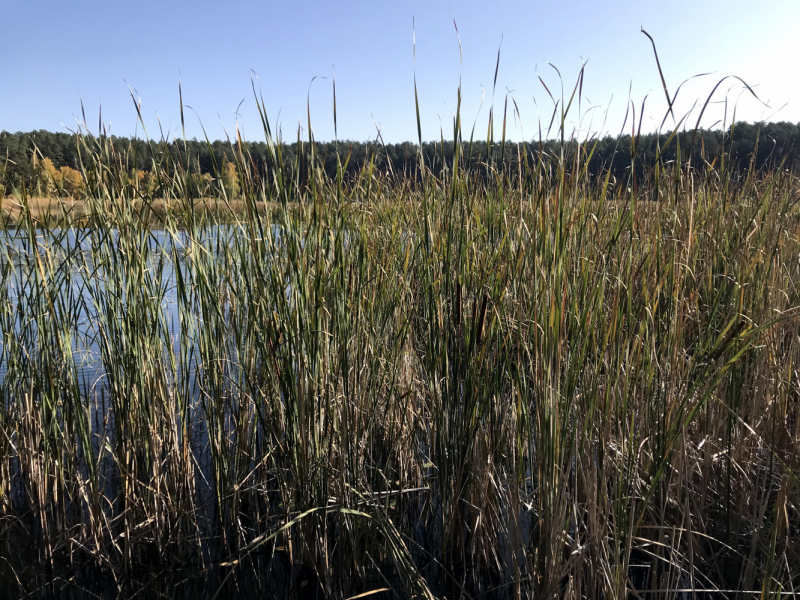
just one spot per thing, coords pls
(526, 379)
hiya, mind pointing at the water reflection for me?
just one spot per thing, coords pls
(74, 264)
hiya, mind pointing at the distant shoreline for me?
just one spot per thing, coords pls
(48, 208)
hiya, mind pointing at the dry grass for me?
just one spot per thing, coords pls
(55, 210)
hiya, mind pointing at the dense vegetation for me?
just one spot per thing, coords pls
(766, 144)
(496, 379)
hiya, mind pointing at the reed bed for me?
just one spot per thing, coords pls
(518, 381)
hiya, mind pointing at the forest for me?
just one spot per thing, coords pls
(44, 162)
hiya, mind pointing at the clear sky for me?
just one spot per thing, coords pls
(57, 52)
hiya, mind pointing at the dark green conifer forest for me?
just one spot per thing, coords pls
(769, 145)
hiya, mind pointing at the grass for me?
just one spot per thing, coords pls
(524, 382)
(72, 212)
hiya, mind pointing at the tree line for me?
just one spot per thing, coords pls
(46, 162)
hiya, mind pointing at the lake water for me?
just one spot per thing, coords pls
(76, 264)
(88, 301)
(74, 247)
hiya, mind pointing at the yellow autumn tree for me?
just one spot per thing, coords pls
(199, 185)
(71, 182)
(144, 181)
(230, 180)
(48, 178)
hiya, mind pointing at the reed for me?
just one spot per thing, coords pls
(519, 381)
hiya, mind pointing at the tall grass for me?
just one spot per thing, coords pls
(531, 381)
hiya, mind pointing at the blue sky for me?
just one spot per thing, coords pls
(57, 52)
